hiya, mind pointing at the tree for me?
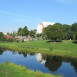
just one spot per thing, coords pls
(1, 35)
(25, 31)
(68, 34)
(53, 32)
(20, 31)
(74, 27)
(38, 35)
(32, 33)
(75, 36)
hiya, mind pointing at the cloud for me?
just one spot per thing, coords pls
(13, 14)
(21, 20)
(66, 1)
(28, 18)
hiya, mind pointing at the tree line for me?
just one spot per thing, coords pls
(25, 32)
(60, 31)
(57, 31)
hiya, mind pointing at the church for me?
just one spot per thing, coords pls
(42, 25)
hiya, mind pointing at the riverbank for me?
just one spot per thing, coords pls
(64, 48)
(13, 70)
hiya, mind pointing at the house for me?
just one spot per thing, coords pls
(28, 38)
(20, 38)
(42, 26)
(24, 38)
(9, 37)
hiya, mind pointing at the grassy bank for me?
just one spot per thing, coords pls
(12, 70)
(64, 48)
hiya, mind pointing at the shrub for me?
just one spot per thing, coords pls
(23, 40)
(3, 39)
(9, 40)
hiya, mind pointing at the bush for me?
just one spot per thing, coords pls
(23, 40)
(3, 39)
(17, 41)
(9, 40)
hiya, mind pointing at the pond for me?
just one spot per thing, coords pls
(46, 63)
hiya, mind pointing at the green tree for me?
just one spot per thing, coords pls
(25, 31)
(1, 35)
(68, 33)
(39, 35)
(20, 31)
(32, 33)
(74, 27)
(53, 32)
(75, 36)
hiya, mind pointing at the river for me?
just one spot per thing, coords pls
(46, 63)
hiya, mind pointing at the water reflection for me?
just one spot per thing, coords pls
(40, 58)
(47, 64)
(54, 62)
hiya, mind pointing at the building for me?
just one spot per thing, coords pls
(24, 38)
(9, 37)
(42, 26)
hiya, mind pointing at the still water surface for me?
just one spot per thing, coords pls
(45, 63)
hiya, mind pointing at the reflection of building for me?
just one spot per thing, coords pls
(40, 58)
(42, 26)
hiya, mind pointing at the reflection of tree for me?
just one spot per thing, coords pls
(14, 52)
(53, 63)
(32, 54)
(19, 53)
(23, 53)
(1, 51)
(74, 64)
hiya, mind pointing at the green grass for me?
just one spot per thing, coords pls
(65, 48)
(12, 70)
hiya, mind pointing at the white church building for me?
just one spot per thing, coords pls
(42, 26)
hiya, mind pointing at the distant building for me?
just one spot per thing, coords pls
(28, 38)
(5, 33)
(42, 26)
(9, 37)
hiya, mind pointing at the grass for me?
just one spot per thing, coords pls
(64, 48)
(12, 70)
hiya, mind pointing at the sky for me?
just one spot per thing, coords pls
(20, 13)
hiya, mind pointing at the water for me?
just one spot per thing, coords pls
(42, 62)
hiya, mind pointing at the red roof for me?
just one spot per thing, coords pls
(8, 37)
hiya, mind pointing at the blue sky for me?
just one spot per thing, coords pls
(20, 13)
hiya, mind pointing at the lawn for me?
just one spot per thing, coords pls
(12, 70)
(64, 48)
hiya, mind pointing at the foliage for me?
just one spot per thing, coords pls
(74, 27)
(53, 32)
(10, 40)
(1, 35)
(75, 36)
(38, 35)
(32, 33)
(20, 32)
(4, 39)
(23, 32)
